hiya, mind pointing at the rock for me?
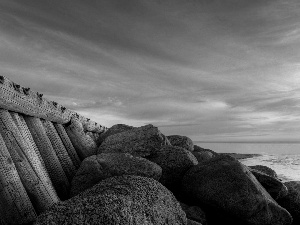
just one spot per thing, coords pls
(174, 161)
(141, 141)
(181, 141)
(115, 129)
(223, 184)
(194, 213)
(199, 149)
(266, 170)
(95, 136)
(291, 201)
(192, 222)
(84, 145)
(99, 167)
(272, 185)
(120, 200)
(203, 156)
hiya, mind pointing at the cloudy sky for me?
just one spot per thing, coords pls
(214, 70)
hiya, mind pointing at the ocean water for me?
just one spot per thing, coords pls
(287, 167)
(284, 158)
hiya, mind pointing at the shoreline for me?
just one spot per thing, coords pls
(241, 155)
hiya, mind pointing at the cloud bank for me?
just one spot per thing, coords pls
(223, 70)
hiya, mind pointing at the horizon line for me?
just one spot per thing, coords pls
(251, 142)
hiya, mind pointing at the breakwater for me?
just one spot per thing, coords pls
(42, 143)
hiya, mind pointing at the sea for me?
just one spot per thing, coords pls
(284, 158)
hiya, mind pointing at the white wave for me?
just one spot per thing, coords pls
(287, 167)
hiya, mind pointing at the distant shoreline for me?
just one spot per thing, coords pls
(252, 148)
(246, 142)
(241, 156)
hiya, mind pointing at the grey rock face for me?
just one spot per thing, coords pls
(203, 156)
(141, 141)
(122, 200)
(95, 136)
(192, 222)
(291, 201)
(272, 185)
(115, 129)
(224, 184)
(84, 145)
(199, 149)
(99, 167)
(174, 161)
(181, 141)
(266, 170)
(194, 213)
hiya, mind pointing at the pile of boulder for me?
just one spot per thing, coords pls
(140, 176)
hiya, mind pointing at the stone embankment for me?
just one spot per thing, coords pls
(57, 167)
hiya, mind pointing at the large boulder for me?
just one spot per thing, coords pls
(224, 185)
(181, 141)
(265, 169)
(115, 129)
(99, 167)
(121, 200)
(141, 141)
(95, 136)
(192, 222)
(200, 149)
(203, 156)
(174, 161)
(83, 143)
(291, 201)
(194, 213)
(272, 185)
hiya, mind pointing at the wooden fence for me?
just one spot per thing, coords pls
(42, 144)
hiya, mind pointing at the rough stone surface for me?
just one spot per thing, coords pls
(181, 141)
(199, 149)
(95, 136)
(272, 185)
(265, 169)
(85, 145)
(192, 222)
(203, 156)
(141, 141)
(194, 213)
(99, 167)
(121, 200)
(291, 201)
(174, 161)
(226, 185)
(115, 129)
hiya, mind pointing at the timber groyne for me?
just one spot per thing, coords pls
(42, 144)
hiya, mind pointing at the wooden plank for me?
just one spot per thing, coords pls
(53, 166)
(68, 144)
(33, 155)
(20, 99)
(60, 150)
(15, 205)
(38, 192)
